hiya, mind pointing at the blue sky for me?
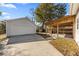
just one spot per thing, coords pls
(18, 10)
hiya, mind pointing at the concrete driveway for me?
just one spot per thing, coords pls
(30, 45)
(25, 38)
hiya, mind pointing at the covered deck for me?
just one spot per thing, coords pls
(63, 25)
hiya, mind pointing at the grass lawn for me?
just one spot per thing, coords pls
(67, 47)
(2, 37)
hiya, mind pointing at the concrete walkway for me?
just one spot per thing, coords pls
(34, 48)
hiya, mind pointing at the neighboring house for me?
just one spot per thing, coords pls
(20, 26)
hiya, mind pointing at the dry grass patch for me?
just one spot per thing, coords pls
(67, 47)
(2, 37)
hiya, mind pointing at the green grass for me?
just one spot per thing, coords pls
(67, 47)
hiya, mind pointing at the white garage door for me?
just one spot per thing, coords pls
(20, 27)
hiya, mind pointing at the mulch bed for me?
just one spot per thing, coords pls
(66, 47)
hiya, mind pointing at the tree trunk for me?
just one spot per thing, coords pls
(43, 29)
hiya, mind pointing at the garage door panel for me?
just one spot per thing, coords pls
(20, 27)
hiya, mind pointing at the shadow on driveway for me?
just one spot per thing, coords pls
(25, 38)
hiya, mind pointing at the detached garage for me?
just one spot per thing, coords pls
(20, 26)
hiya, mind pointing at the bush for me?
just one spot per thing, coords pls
(37, 30)
(1, 48)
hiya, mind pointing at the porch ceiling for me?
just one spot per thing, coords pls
(61, 21)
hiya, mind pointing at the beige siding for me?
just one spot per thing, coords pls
(73, 8)
(76, 33)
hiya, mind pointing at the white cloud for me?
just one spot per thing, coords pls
(5, 13)
(7, 5)
(24, 3)
(7, 17)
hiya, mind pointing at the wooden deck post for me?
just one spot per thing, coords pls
(57, 31)
(74, 26)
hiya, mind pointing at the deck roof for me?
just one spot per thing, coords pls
(63, 20)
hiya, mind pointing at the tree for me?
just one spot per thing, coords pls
(32, 13)
(49, 11)
(0, 13)
(2, 27)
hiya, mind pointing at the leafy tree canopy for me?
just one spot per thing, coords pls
(49, 11)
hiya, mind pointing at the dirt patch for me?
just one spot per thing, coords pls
(66, 47)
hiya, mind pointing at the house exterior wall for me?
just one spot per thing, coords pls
(76, 33)
(73, 8)
(20, 27)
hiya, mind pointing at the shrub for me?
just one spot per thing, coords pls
(1, 48)
(2, 28)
